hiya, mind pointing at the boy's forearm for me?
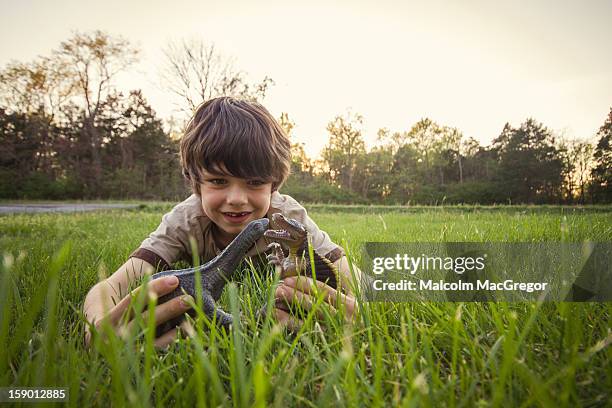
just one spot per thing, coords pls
(346, 276)
(108, 292)
(99, 300)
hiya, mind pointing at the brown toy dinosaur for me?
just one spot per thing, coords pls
(293, 235)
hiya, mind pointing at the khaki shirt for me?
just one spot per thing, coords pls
(170, 243)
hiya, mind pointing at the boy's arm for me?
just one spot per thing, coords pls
(109, 300)
(108, 292)
(346, 277)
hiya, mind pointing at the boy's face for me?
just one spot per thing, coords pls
(232, 202)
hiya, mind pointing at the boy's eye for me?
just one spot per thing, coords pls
(217, 181)
(256, 182)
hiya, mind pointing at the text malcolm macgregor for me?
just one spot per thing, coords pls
(412, 264)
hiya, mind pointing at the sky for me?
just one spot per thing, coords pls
(473, 65)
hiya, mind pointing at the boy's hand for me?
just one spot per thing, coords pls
(301, 290)
(163, 312)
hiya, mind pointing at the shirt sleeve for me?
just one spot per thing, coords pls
(169, 243)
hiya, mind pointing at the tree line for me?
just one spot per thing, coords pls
(66, 132)
(435, 164)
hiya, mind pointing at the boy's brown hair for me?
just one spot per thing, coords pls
(239, 134)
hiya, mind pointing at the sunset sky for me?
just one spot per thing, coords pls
(473, 65)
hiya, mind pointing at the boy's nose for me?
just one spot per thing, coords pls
(236, 196)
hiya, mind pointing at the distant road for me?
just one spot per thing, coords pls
(43, 208)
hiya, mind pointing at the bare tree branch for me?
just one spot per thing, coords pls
(195, 72)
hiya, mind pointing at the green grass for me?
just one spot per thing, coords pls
(412, 354)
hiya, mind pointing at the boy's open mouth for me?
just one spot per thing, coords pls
(236, 216)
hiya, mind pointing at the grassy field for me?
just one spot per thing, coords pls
(410, 354)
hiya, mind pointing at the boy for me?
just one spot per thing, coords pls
(236, 157)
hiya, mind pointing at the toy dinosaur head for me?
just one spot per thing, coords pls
(289, 231)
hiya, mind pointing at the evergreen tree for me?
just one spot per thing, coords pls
(602, 172)
(531, 170)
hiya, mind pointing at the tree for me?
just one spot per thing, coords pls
(427, 138)
(583, 161)
(301, 166)
(17, 152)
(65, 131)
(38, 90)
(577, 157)
(392, 141)
(469, 149)
(93, 60)
(530, 167)
(451, 163)
(138, 156)
(405, 179)
(602, 172)
(425, 159)
(196, 72)
(373, 172)
(344, 148)
(40, 87)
